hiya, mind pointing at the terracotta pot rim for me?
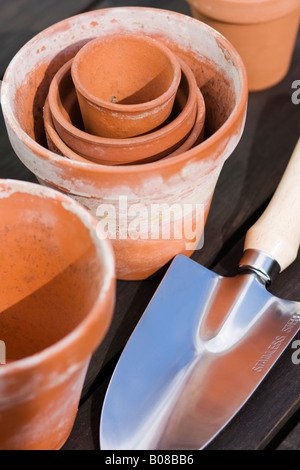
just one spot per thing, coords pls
(196, 129)
(245, 11)
(128, 108)
(94, 168)
(103, 248)
(54, 136)
(143, 140)
(193, 136)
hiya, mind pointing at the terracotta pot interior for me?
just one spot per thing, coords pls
(217, 90)
(50, 273)
(128, 71)
(68, 102)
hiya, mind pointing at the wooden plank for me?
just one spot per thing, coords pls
(292, 440)
(181, 6)
(20, 21)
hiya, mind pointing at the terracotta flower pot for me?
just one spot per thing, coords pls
(56, 301)
(186, 178)
(152, 146)
(263, 31)
(126, 84)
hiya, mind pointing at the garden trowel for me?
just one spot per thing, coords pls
(205, 342)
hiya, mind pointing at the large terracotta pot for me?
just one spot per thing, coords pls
(263, 31)
(57, 296)
(187, 179)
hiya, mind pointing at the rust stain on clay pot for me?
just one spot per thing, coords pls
(57, 297)
(188, 177)
(263, 31)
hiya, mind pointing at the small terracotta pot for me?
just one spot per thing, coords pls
(67, 119)
(188, 178)
(263, 31)
(126, 84)
(57, 297)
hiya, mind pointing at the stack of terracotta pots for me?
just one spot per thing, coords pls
(123, 99)
(113, 136)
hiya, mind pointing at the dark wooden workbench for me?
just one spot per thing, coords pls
(271, 418)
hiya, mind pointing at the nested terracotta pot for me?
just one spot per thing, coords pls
(57, 296)
(54, 142)
(263, 31)
(126, 84)
(67, 119)
(118, 194)
(197, 133)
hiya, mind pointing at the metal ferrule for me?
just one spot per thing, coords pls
(258, 262)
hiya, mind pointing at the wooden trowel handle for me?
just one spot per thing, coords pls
(277, 231)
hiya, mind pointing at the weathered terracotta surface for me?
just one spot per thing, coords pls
(57, 297)
(190, 176)
(126, 84)
(263, 31)
(152, 146)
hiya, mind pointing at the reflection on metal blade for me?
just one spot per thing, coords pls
(201, 348)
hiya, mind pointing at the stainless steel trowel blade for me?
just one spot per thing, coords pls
(203, 345)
